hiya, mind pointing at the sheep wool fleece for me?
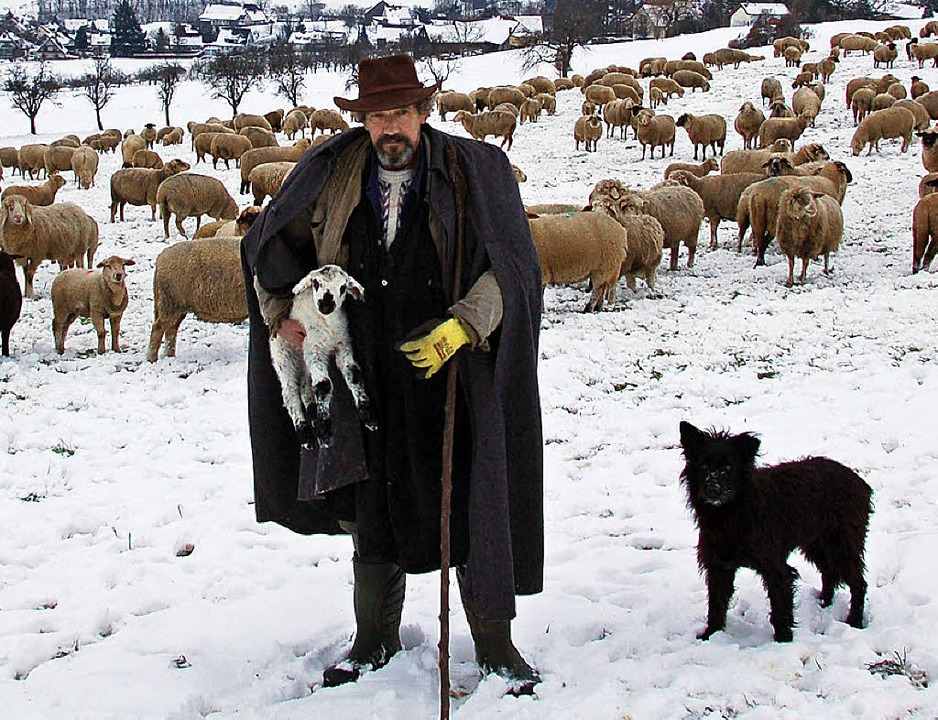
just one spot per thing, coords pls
(498, 529)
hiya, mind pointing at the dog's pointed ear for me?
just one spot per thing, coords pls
(747, 445)
(690, 439)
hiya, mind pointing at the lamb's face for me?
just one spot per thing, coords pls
(113, 269)
(328, 287)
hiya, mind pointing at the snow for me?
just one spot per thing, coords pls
(110, 465)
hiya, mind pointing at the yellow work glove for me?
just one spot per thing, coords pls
(433, 344)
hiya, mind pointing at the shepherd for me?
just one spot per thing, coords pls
(433, 228)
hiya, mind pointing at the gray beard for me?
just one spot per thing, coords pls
(395, 161)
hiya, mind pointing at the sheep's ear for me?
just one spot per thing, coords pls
(818, 195)
(531, 215)
(101, 264)
(845, 170)
(767, 163)
(932, 183)
(589, 207)
(126, 261)
(303, 285)
(355, 290)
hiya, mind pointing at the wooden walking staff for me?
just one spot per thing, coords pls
(449, 423)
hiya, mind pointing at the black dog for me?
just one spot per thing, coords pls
(11, 300)
(754, 517)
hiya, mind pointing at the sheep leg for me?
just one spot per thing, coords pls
(691, 254)
(164, 213)
(595, 302)
(171, 330)
(804, 269)
(182, 230)
(650, 278)
(115, 321)
(60, 330)
(714, 225)
(791, 271)
(353, 378)
(630, 282)
(930, 252)
(674, 253)
(156, 338)
(98, 322)
(29, 270)
(322, 400)
(293, 377)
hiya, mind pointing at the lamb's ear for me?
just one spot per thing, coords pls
(845, 170)
(355, 290)
(125, 261)
(303, 285)
(691, 439)
(746, 446)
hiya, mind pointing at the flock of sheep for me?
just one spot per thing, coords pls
(771, 187)
(200, 276)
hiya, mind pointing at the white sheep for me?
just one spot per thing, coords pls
(587, 130)
(304, 371)
(96, 295)
(809, 224)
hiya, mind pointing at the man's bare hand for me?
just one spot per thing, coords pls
(292, 331)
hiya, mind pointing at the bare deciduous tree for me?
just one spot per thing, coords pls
(98, 85)
(166, 77)
(28, 92)
(287, 67)
(230, 75)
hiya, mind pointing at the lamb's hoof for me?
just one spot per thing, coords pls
(304, 434)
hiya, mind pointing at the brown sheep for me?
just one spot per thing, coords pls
(577, 247)
(706, 167)
(38, 195)
(95, 295)
(747, 123)
(129, 147)
(147, 159)
(691, 79)
(229, 147)
(62, 232)
(259, 137)
(588, 129)
(267, 178)
(85, 166)
(203, 277)
(453, 102)
(495, 122)
(327, 119)
(889, 123)
(193, 195)
(252, 158)
(719, 194)
(809, 224)
(704, 131)
(654, 131)
(31, 158)
(138, 186)
(771, 88)
(789, 128)
(58, 158)
(862, 104)
(929, 149)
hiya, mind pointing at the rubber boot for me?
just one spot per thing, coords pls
(494, 650)
(379, 600)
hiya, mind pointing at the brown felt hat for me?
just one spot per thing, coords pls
(386, 83)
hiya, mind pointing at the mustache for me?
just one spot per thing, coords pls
(396, 137)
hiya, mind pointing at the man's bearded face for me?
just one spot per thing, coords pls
(395, 134)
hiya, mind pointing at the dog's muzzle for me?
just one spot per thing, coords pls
(717, 489)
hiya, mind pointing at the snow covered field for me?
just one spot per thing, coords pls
(109, 465)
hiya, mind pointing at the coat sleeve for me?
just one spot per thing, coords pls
(480, 311)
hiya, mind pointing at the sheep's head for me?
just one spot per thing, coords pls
(113, 269)
(711, 164)
(328, 287)
(681, 177)
(800, 203)
(929, 137)
(814, 152)
(462, 116)
(686, 120)
(844, 171)
(782, 145)
(777, 165)
(644, 116)
(56, 182)
(856, 145)
(609, 188)
(246, 219)
(17, 210)
(176, 166)
(631, 204)
(746, 107)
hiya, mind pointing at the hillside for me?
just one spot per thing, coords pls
(125, 462)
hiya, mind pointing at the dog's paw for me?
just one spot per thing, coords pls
(706, 634)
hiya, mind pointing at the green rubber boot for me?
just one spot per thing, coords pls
(494, 650)
(379, 600)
